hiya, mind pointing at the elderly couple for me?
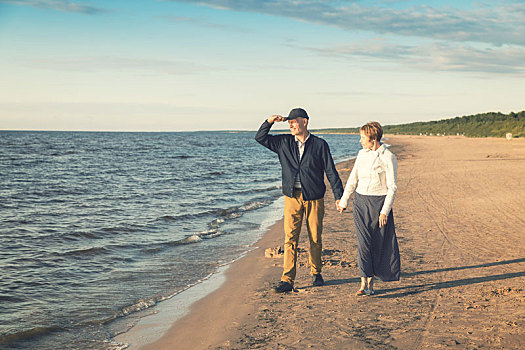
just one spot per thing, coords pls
(305, 159)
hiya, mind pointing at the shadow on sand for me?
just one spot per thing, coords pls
(458, 268)
(408, 290)
(414, 289)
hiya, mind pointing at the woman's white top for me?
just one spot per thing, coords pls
(374, 174)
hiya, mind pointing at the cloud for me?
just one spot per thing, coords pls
(487, 37)
(484, 23)
(499, 60)
(204, 22)
(114, 64)
(436, 56)
(58, 5)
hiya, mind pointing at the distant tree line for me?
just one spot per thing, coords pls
(492, 124)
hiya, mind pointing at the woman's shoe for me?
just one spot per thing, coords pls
(318, 280)
(370, 292)
(360, 292)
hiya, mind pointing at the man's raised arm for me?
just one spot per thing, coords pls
(263, 136)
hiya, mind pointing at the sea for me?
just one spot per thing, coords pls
(99, 227)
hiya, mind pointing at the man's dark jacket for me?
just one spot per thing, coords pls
(316, 160)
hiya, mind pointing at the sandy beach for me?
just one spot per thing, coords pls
(460, 220)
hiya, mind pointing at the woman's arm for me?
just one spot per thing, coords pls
(391, 183)
(351, 185)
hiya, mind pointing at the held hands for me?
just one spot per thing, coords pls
(276, 118)
(382, 220)
(382, 217)
(339, 208)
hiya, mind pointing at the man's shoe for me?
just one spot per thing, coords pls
(283, 287)
(318, 280)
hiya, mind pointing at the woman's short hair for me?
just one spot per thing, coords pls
(373, 130)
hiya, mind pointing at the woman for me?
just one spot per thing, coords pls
(374, 180)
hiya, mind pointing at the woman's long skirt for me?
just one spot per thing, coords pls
(377, 247)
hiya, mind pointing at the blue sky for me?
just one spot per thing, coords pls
(228, 64)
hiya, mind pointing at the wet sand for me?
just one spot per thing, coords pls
(460, 223)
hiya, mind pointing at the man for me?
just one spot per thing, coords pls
(305, 158)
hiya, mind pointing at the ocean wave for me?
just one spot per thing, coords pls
(267, 189)
(197, 237)
(261, 190)
(11, 299)
(25, 335)
(60, 154)
(184, 216)
(216, 222)
(99, 234)
(122, 229)
(144, 304)
(28, 162)
(47, 194)
(140, 305)
(88, 251)
(213, 175)
(270, 179)
(190, 239)
(170, 217)
(124, 259)
(222, 215)
(80, 235)
(238, 210)
(256, 204)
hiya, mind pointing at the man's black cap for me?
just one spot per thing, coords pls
(296, 113)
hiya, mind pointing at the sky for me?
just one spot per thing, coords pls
(153, 65)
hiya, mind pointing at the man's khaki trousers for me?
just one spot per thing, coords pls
(294, 210)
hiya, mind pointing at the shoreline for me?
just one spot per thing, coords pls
(151, 327)
(153, 323)
(459, 224)
(200, 327)
(149, 330)
(262, 272)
